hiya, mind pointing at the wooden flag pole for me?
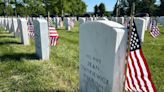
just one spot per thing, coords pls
(129, 37)
(117, 9)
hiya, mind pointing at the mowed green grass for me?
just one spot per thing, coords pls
(21, 71)
(153, 49)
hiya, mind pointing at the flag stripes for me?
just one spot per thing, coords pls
(138, 77)
(53, 34)
(155, 31)
(31, 31)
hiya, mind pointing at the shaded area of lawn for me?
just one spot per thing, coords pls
(21, 70)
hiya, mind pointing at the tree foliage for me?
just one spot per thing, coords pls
(141, 6)
(100, 10)
(161, 8)
(96, 9)
(40, 7)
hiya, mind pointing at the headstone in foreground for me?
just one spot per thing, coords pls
(102, 56)
(22, 22)
(41, 39)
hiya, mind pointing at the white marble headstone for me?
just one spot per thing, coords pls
(41, 39)
(147, 20)
(102, 56)
(68, 24)
(90, 19)
(9, 25)
(57, 21)
(140, 24)
(81, 20)
(102, 18)
(120, 20)
(15, 26)
(22, 22)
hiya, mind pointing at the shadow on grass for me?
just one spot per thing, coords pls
(6, 36)
(11, 42)
(162, 32)
(18, 57)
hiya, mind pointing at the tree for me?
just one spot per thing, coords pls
(40, 7)
(101, 9)
(9, 10)
(143, 6)
(96, 10)
(161, 8)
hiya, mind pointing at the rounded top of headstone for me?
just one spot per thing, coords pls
(102, 18)
(22, 19)
(41, 20)
(101, 24)
(139, 18)
(108, 23)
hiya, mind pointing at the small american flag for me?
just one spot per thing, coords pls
(53, 36)
(31, 31)
(138, 77)
(154, 32)
(30, 28)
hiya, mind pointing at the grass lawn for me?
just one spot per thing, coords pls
(21, 71)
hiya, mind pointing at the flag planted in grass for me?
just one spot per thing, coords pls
(31, 28)
(31, 31)
(138, 77)
(53, 34)
(154, 32)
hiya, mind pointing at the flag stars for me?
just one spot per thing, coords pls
(138, 46)
(134, 40)
(132, 44)
(132, 33)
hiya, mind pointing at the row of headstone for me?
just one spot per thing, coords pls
(90, 19)
(19, 27)
(142, 24)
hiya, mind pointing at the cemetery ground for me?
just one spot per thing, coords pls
(21, 71)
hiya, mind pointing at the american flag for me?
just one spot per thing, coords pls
(30, 29)
(138, 77)
(53, 36)
(154, 32)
